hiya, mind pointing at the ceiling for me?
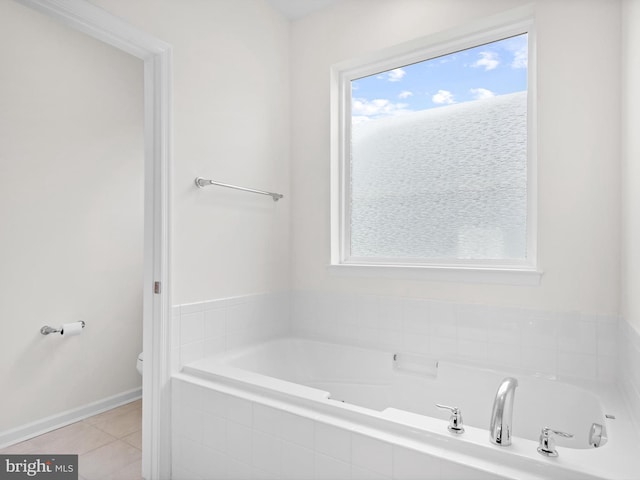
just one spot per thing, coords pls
(294, 9)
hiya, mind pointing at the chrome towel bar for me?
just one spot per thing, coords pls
(201, 183)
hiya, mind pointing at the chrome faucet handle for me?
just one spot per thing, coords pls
(455, 421)
(547, 445)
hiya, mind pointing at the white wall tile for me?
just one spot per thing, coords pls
(175, 331)
(214, 322)
(368, 311)
(297, 462)
(175, 360)
(297, 429)
(214, 346)
(471, 321)
(415, 343)
(190, 396)
(577, 365)
(540, 360)
(189, 424)
(415, 316)
(239, 441)
(372, 454)
(607, 368)
(266, 452)
(191, 352)
(238, 317)
(266, 419)
(607, 338)
(360, 473)
(329, 468)
(576, 335)
(239, 410)
(191, 327)
(258, 474)
(455, 471)
(390, 340)
(332, 441)
(505, 326)
(390, 313)
(239, 470)
(214, 431)
(443, 347)
(472, 350)
(214, 465)
(215, 403)
(504, 354)
(413, 465)
(190, 455)
(539, 330)
(188, 308)
(444, 327)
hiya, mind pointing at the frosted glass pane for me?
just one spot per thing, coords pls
(447, 182)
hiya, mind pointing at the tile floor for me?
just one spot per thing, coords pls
(109, 445)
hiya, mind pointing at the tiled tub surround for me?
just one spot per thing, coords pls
(549, 343)
(219, 429)
(208, 328)
(231, 422)
(629, 375)
(570, 345)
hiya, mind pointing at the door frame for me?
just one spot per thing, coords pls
(156, 54)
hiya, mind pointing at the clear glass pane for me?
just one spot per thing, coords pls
(439, 157)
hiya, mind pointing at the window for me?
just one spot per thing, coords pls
(433, 154)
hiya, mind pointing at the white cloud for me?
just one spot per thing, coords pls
(447, 59)
(488, 60)
(394, 75)
(361, 107)
(443, 97)
(520, 57)
(481, 93)
(405, 94)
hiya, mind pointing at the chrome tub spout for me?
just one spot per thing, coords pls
(502, 414)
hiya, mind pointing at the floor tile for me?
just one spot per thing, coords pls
(108, 444)
(77, 438)
(102, 455)
(121, 425)
(25, 448)
(130, 472)
(105, 461)
(134, 439)
(115, 412)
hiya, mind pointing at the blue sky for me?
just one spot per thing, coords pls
(496, 68)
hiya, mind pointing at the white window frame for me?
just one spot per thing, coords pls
(525, 271)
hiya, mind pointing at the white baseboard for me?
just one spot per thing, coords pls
(44, 425)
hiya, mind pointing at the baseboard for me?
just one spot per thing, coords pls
(33, 429)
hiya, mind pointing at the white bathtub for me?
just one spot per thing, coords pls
(392, 396)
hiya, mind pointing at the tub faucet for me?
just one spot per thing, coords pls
(502, 414)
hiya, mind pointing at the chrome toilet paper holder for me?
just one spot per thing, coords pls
(46, 330)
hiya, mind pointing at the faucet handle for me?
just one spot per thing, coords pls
(547, 445)
(455, 421)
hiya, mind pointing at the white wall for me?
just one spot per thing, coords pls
(231, 124)
(71, 193)
(631, 162)
(579, 121)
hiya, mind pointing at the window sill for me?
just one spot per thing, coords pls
(525, 276)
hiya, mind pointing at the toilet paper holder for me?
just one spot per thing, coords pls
(46, 330)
